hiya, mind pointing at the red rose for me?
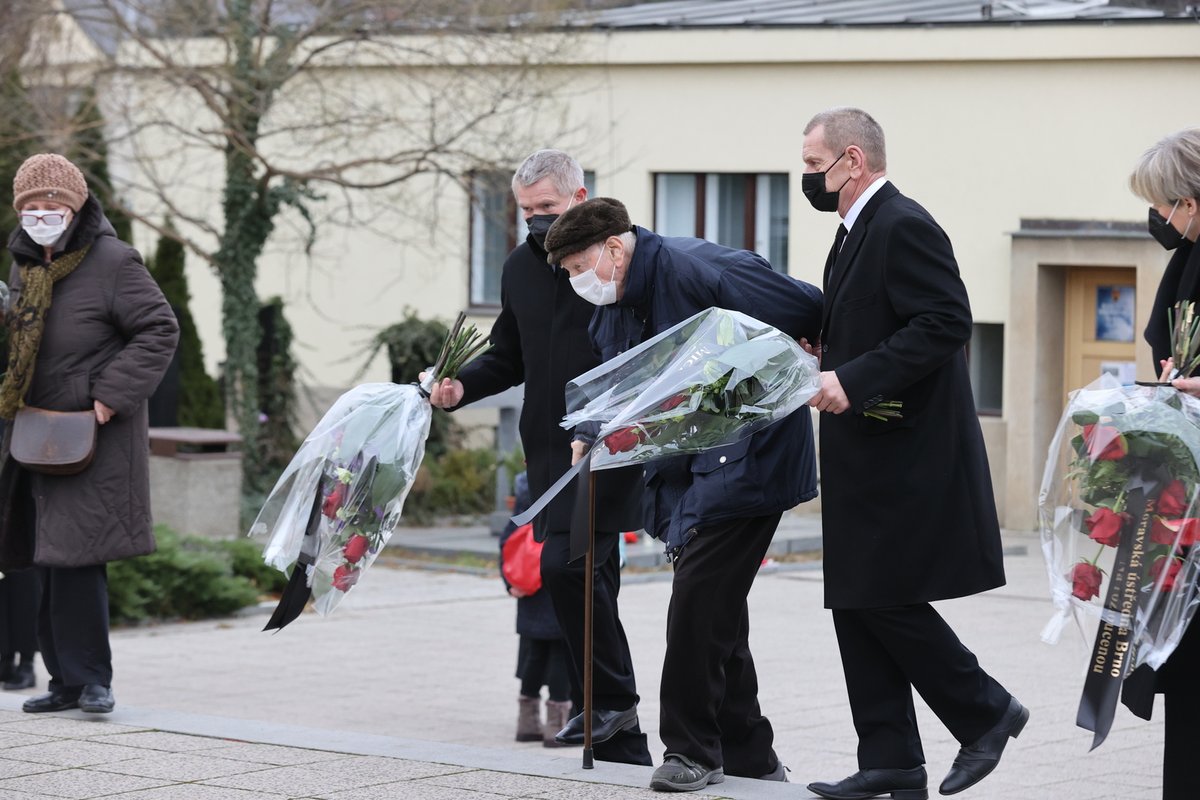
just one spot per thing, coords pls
(356, 548)
(1189, 532)
(1104, 442)
(335, 500)
(1168, 564)
(1163, 531)
(1085, 580)
(1184, 532)
(344, 577)
(1174, 500)
(623, 440)
(673, 402)
(1104, 526)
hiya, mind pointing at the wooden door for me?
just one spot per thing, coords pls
(1101, 326)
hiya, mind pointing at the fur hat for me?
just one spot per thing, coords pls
(581, 226)
(51, 177)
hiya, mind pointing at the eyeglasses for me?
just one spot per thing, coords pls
(30, 219)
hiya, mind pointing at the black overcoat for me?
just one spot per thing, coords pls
(908, 511)
(540, 338)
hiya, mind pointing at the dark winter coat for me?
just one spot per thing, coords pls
(535, 613)
(540, 338)
(907, 504)
(109, 336)
(669, 280)
(1180, 281)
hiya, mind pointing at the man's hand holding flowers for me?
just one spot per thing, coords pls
(447, 393)
(831, 397)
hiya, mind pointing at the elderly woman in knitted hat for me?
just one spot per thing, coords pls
(89, 330)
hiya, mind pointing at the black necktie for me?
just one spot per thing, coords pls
(833, 253)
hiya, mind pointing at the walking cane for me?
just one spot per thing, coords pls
(588, 588)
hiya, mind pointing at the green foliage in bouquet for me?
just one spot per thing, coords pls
(462, 344)
(705, 414)
(1185, 338)
(1107, 457)
(1127, 446)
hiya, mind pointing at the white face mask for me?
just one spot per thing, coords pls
(589, 286)
(40, 231)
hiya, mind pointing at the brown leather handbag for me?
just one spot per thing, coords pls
(53, 442)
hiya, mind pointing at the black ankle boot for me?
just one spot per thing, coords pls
(22, 676)
(6, 668)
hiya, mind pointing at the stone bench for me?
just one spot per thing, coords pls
(196, 480)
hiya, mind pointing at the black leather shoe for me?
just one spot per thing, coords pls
(21, 677)
(778, 774)
(900, 784)
(605, 725)
(54, 700)
(96, 699)
(974, 763)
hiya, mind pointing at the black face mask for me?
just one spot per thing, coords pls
(539, 226)
(813, 186)
(1162, 231)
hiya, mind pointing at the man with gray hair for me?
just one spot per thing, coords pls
(540, 338)
(908, 514)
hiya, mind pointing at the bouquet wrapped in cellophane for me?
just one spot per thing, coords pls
(709, 381)
(335, 506)
(1119, 519)
(337, 503)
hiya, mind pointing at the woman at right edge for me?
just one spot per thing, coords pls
(1168, 177)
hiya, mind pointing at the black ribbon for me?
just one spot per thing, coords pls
(581, 514)
(528, 514)
(1113, 652)
(297, 592)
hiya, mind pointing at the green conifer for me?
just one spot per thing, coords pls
(200, 403)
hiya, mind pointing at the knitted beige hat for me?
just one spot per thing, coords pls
(49, 176)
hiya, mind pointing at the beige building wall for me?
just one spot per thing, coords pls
(986, 125)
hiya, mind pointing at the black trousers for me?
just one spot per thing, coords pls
(73, 626)
(613, 684)
(544, 662)
(1176, 679)
(888, 652)
(20, 596)
(1181, 742)
(709, 694)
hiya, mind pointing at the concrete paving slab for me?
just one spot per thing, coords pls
(181, 767)
(10, 768)
(71, 753)
(78, 784)
(407, 691)
(190, 791)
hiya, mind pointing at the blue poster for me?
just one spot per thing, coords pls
(1114, 313)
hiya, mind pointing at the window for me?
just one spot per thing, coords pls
(985, 363)
(744, 210)
(496, 228)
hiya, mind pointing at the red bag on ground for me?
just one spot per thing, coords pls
(523, 560)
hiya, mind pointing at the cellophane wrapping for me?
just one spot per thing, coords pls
(713, 379)
(1120, 519)
(346, 487)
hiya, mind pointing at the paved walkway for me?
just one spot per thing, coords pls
(406, 691)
